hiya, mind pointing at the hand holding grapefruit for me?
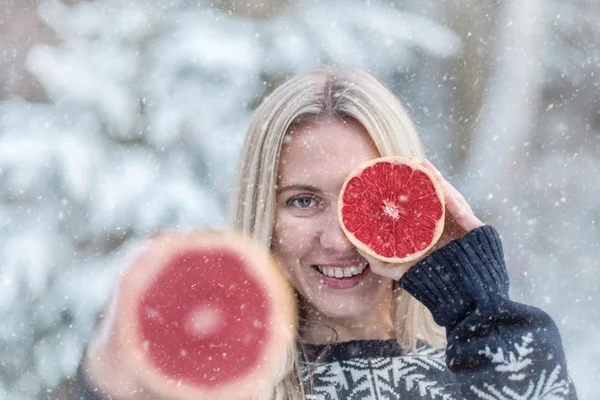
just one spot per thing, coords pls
(395, 210)
(205, 315)
(460, 218)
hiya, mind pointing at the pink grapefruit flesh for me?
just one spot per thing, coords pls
(392, 208)
(207, 315)
(203, 303)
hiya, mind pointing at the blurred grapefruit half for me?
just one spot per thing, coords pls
(206, 315)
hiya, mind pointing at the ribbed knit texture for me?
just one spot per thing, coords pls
(461, 276)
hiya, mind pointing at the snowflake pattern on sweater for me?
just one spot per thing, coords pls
(424, 375)
(408, 376)
(513, 366)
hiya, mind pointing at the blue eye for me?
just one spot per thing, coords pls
(302, 202)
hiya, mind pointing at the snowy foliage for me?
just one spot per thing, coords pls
(149, 107)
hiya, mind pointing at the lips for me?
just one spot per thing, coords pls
(351, 274)
(342, 272)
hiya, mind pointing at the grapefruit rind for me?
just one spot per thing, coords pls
(366, 248)
(281, 334)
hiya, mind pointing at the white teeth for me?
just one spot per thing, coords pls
(347, 272)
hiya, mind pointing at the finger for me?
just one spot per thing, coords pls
(431, 168)
(449, 188)
(459, 209)
(374, 261)
(446, 186)
(456, 204)
(385, 269)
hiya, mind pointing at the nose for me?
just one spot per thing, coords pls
(332, 236)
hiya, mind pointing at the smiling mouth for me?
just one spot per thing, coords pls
(342, 273)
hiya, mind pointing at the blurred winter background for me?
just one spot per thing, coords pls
(121, 117)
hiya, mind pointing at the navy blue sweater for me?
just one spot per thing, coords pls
(497, 349)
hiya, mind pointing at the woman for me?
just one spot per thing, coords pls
(317, 128)
(380, 334)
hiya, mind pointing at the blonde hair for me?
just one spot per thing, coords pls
(343, 93)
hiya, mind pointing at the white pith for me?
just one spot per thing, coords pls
(346, 272)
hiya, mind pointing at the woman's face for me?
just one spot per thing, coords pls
(324, 267)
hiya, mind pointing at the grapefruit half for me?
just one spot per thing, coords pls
(392, 208)
(205, 315)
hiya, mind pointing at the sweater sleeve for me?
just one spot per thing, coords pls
(497, 348)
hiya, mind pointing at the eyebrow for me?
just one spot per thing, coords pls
(307, 188)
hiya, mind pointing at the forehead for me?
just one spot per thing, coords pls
(324, 149)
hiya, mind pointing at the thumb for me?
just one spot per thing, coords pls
(386, 269)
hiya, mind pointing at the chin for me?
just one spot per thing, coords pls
(335, 307)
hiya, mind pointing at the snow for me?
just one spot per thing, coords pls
(150, 101)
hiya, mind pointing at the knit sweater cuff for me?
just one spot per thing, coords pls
(465, 275)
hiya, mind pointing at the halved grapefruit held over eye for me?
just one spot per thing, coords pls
(392, 208)
(205, 315)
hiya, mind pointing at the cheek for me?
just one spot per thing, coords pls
(292, 235)
(282, 247)
(292, 241)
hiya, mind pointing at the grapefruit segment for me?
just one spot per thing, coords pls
(392, 208)
(205, 315)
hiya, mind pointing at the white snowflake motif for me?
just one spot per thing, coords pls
(549, 386)
(382, 378)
